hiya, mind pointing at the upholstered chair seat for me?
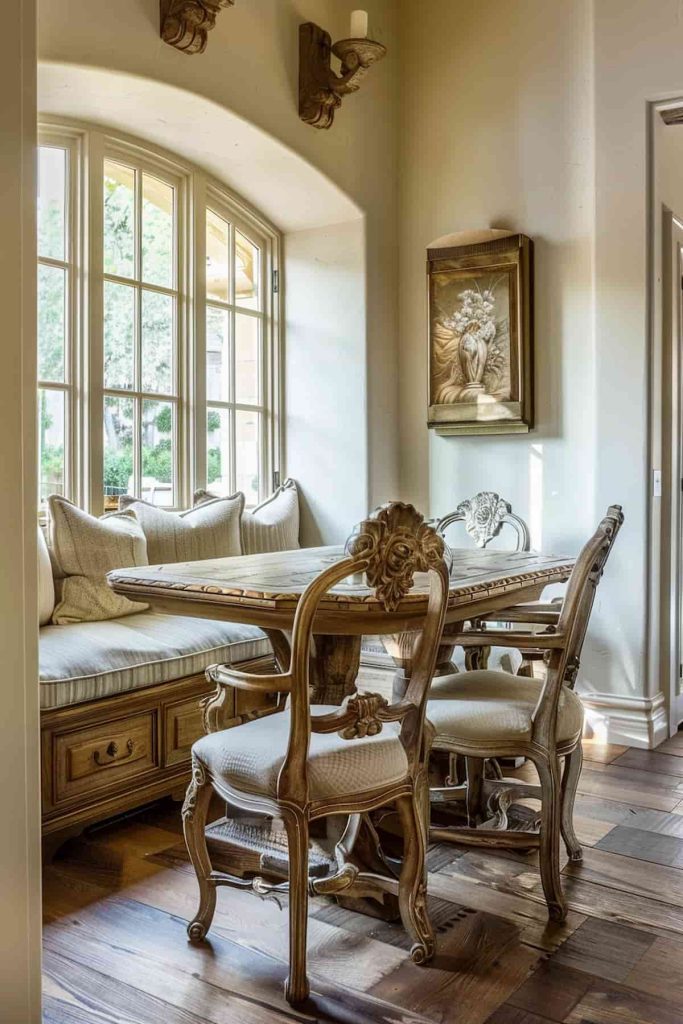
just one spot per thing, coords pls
(487, 705)
(249, 759)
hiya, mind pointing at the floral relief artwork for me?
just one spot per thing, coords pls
(480, 334)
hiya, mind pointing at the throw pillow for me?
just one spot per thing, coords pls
(46, 583)
(271, 526)
(86, 549)
(209, 530)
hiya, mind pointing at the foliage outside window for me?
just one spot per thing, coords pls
(175, 363)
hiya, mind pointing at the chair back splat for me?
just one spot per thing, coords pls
(484, 516)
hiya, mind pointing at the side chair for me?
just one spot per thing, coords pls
(485, 714)
(348, 760)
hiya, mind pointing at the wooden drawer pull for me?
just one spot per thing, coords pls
(111, 752)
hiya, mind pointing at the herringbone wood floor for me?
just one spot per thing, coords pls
(117, 900)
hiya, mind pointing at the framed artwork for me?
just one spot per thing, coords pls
(480, 323)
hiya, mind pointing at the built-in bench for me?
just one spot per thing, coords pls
(121, 704)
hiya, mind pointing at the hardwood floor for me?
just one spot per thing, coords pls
(116, 902)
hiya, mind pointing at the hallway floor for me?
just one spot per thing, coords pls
(116, 903)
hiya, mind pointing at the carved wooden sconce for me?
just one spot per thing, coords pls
(320, 89)
(185, 24)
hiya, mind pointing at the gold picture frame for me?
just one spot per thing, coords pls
(480, 329)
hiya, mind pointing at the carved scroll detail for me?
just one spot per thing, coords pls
(397, 543)
(365, 707)
(484, 515)
(197, 781)
(185, 24)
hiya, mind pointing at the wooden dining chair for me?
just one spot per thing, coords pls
(484, 714)
(348, 760)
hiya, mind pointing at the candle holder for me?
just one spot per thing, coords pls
(320, 88)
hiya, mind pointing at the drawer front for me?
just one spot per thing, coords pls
(95, 758)
(182, 726)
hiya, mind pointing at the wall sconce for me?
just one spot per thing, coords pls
(185, 24)
(320, 89)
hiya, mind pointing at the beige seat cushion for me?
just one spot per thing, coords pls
(85, 549)
(90, 660)
(487, 705)
(209, 530)
(249, 758)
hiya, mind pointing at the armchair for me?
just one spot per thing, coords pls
(482, 714)
(346, 760)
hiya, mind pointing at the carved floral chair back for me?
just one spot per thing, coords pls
(484, 517)
(389, 547)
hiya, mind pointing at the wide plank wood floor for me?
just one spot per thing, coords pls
(116, 902)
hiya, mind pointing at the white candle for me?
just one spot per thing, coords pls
(359, 24)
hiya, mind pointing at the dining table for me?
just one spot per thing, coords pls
(264, 590)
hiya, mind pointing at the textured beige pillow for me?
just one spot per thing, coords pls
(46, 584)
(271, 526)
(86, 549)
(209, 530)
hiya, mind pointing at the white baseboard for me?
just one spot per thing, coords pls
(619, 718)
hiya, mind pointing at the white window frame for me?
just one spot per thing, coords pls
(88, 147)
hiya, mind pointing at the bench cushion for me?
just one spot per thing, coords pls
(89, 660)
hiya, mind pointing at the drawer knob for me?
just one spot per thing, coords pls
(111, 754)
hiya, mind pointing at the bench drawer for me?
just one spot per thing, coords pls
(93, 758)
(182, 726)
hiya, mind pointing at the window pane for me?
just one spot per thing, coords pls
(51, 435)
(247, 330)
(51, 202)
(119, 425)
(157, 453)
(217, 258)
(119, 335)
(246, 272)
(119, 219)
(51, 322)
(247, 455)
(218, 450)
(157, 231)
(217, 355)
(157, 342)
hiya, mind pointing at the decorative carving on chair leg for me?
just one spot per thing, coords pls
(296, 824)
(412, 891)
(185, 24)
(549, 774)
(194, 813)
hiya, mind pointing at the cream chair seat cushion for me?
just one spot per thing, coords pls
(249, 757)
(491, 706)
(90, 660)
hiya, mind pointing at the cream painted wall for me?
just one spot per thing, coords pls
(325, 331)
(251, 67)
(19, 752)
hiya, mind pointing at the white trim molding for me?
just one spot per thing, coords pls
(619, 718)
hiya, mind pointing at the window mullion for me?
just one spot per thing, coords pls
(92, 450)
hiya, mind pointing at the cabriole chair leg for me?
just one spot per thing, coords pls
(570, 781)
(195, 811)
(297, 988)
(412, 890)
(549, 774)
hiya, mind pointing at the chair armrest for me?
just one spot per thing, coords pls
(224, 676)
(508, 638)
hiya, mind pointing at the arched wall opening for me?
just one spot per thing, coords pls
(324, 347)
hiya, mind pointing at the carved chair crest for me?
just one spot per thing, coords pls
(484, 516)
(397, 543)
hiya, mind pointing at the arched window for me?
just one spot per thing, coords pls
(158, 335)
